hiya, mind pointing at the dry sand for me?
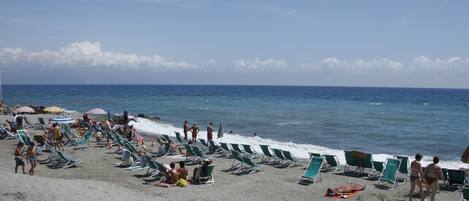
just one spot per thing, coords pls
(97, 179)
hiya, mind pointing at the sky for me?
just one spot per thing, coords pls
(319, 43)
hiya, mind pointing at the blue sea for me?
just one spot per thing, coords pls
(382, 121)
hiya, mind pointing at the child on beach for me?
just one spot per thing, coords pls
(431, 175)
(19, 157)
(416, 175)
(31, 154)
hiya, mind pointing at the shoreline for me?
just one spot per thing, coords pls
(272, 183)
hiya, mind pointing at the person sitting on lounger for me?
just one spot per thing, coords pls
(183, 172)
(19, 157)
(431, 175)
(201, 168)
(416, 175)
(31, 154)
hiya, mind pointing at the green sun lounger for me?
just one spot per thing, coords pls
(389, 174)
(68, 160)
(199, 152)
(282, 161)
(24, 137)
(236, 147)
(192, 157)
(237, 160)
(332, 162)
(166, 137)
(267, 157)
(313, 171)
(250, 166)
(179, 138)
(289, 156)
(83, 143)
(456, 177)
(225, 150)
(205, 177)
(248, 149)
(378, 167)
(360, 163)
(404, 169)
(311, 154)
(204, 143)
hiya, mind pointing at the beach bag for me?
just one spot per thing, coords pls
(182, 183)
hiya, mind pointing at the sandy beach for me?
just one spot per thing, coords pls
(98, 179)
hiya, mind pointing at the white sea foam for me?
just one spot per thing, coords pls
(377, 104)
(293, 123)
(299, 150)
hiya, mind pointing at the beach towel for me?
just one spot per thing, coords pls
(344, 191)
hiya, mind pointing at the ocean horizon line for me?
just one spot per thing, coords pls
(244, 85)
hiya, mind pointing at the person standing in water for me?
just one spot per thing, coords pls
(186, 129)
(210, 131)
(195, 130)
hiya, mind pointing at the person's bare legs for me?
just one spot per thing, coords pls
(412, 187)
(434, 187)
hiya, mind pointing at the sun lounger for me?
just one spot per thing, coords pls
(191, 156)
(250, 166)
(179, 138)
(236, 147)
(289, 156)
(404, 169)
(24, 137)
(237, 160)
(456, 178)
(199, 152)
(267, 157)
(83, 143)
(389, 174)
(225, 149)
(359, 160)
(248, 149)
(66, 161)
(312, 172)
(282, 161)
(378, 167)
(205, 177)
(4, 134)
(204, 143)
(311, 154)
(166, 137)
(332, 162)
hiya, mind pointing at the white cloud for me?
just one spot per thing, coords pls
(88, 54)
(257, 64)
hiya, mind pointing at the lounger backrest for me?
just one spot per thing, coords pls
(278, 153)
(209, 171)
(189, 149)
(41, 120)
(378, 166)
(224, 146)
(314, 154)
(178, 137)
(389, 173)
(265, 150)
(331, 160)
(198, 152)
(288, 155)
(349, 158)
(404, 164)
(24, 137)
(236, 147)
(202, 141)
(248, 161)
(456, 177)
(314, 167)
(236, 155)
(248, 149)
(166, 137)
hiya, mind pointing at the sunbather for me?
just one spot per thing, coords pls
(31, 154)
(416, 175)
(171, 175)
(19, 157)
(431, 175)
(183, 172)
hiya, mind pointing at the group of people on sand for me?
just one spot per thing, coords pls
(54, 137)
(29, 155)
(180, 176)
(428, 175)
(194, 129)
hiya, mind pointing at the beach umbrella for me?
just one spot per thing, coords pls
(220, 130)
(24, 109)
(96, 111)
(53, 109)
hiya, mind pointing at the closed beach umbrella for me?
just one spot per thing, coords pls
(53, 109)
(96, 111)
(24, 109)
(220, 130)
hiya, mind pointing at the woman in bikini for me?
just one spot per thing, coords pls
(432, 173)
(416, 175)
